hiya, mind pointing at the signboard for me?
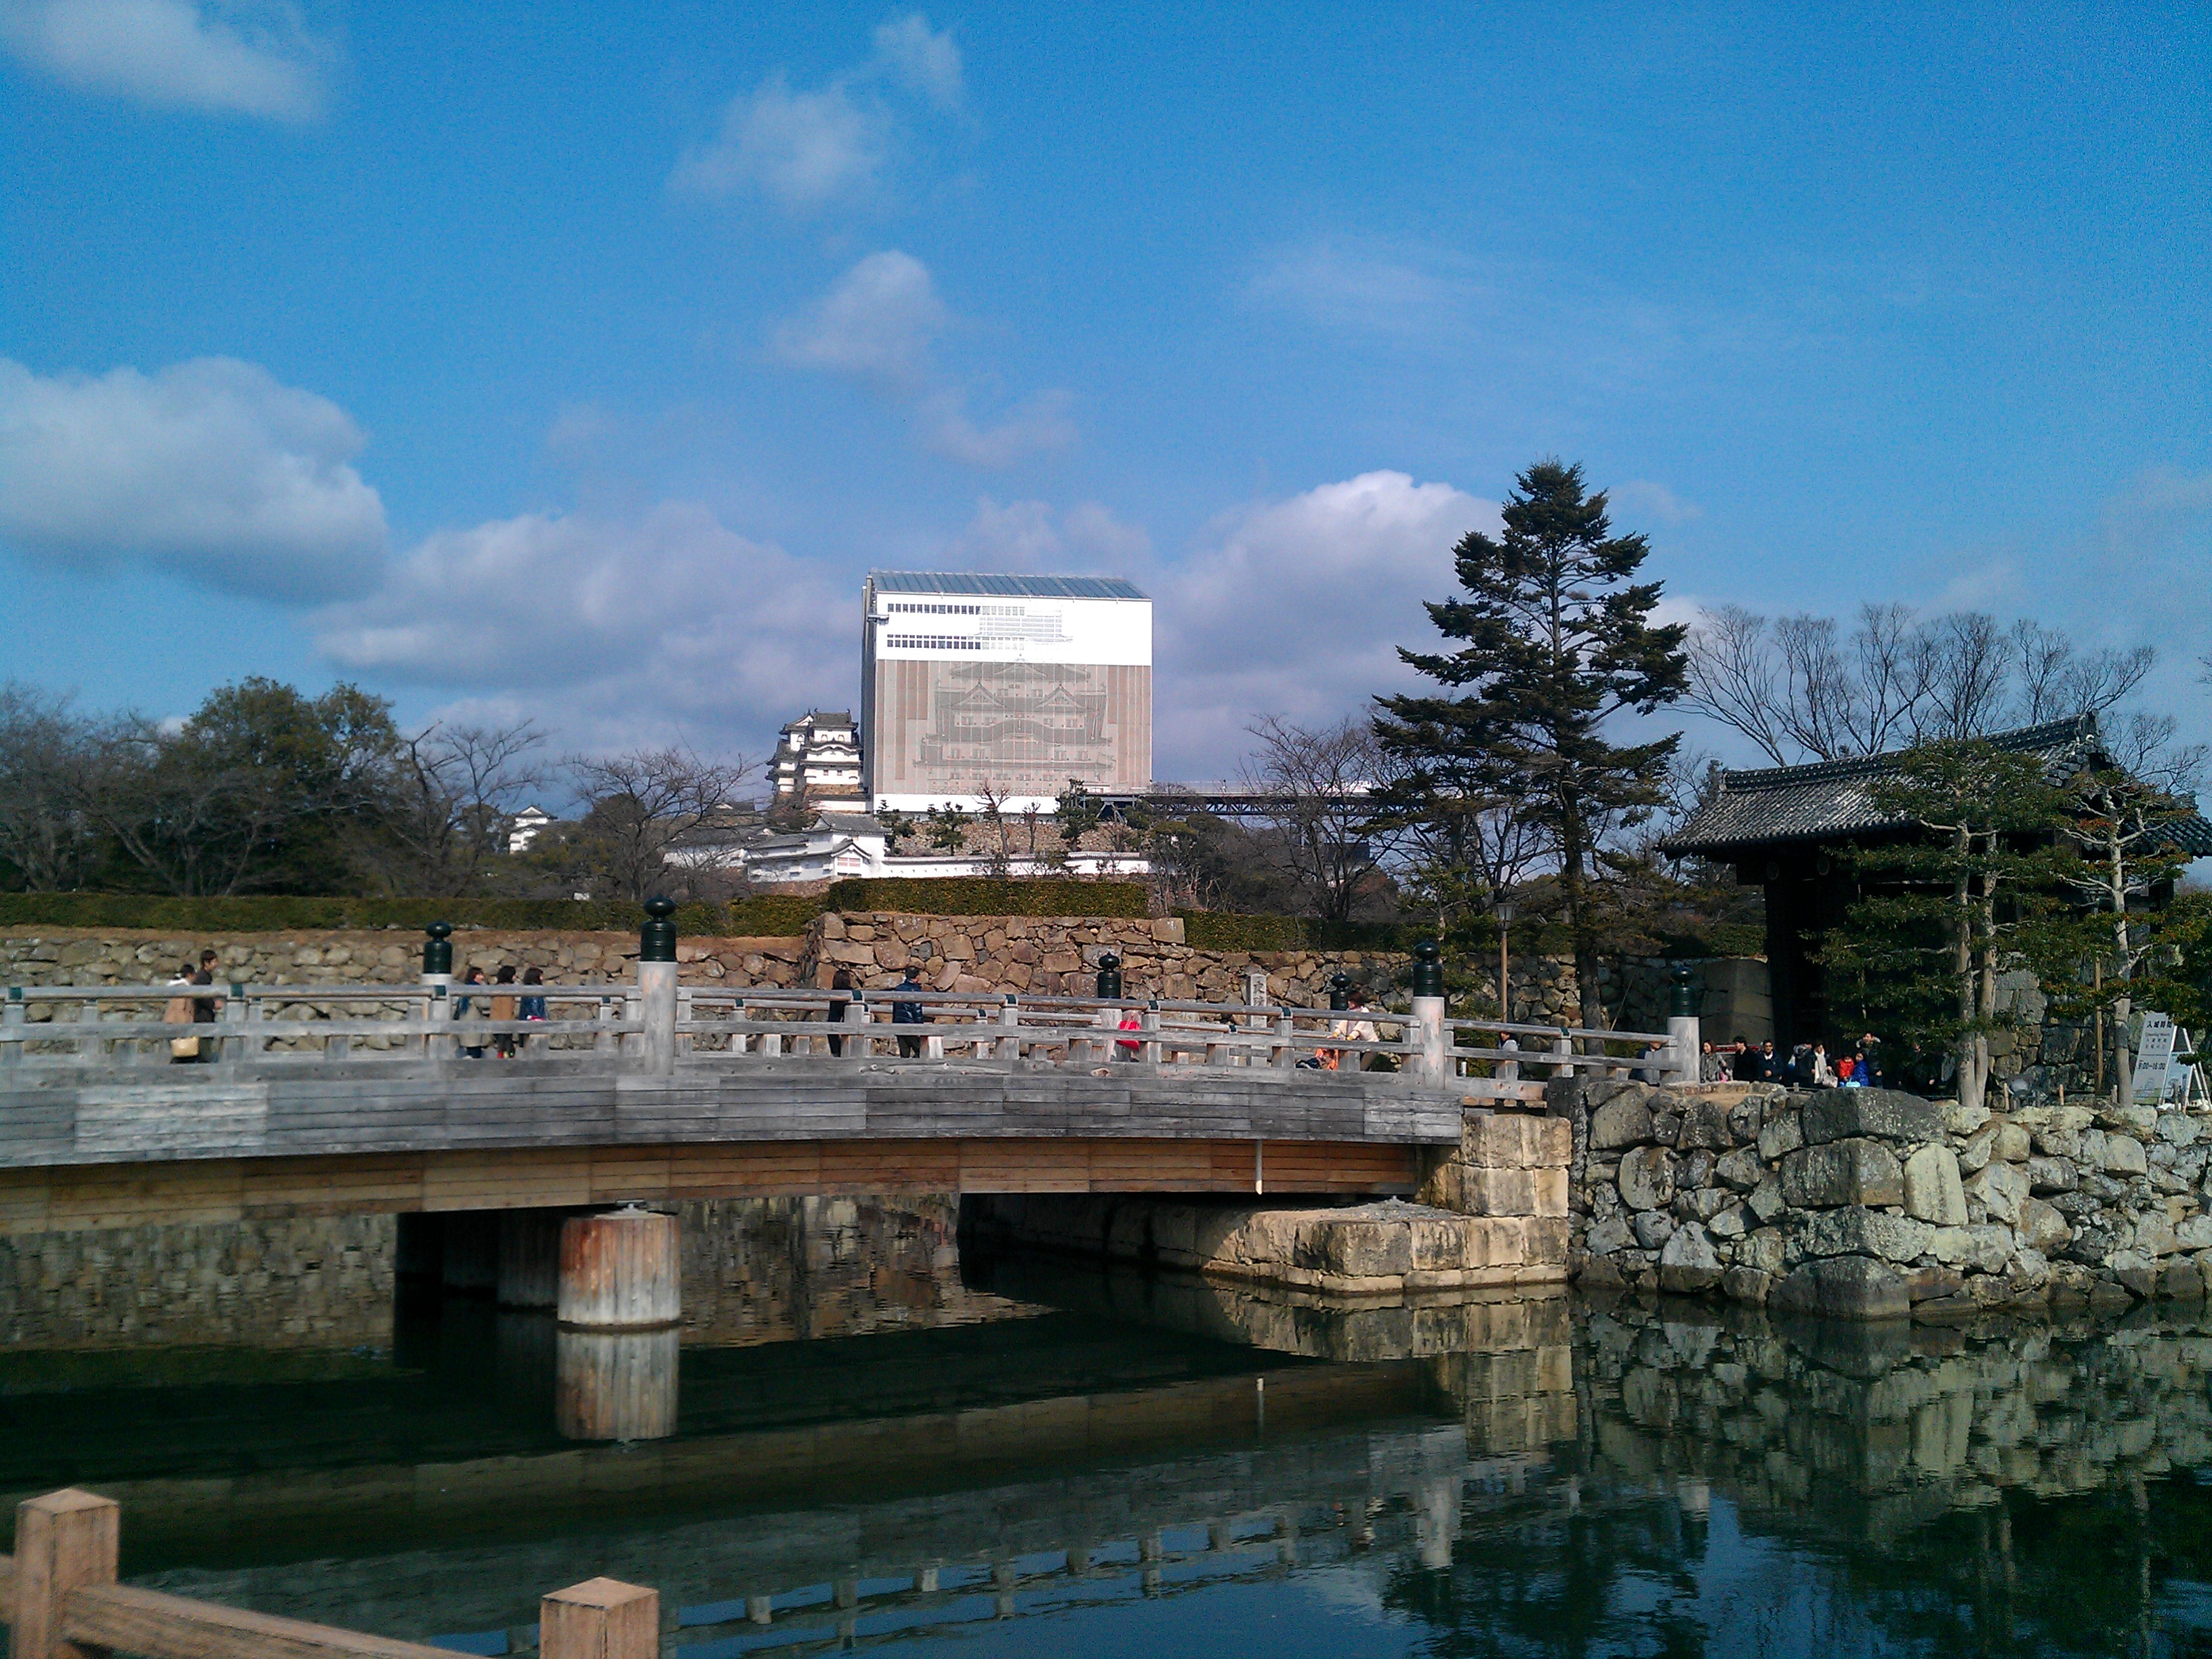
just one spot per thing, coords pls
(2154, 1060)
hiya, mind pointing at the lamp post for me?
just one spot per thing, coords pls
(1504, 913)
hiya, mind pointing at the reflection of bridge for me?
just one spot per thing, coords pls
(1027, 1488)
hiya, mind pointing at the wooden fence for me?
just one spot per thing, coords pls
(62, 1602)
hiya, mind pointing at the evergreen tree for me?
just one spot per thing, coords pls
(1558, 639)
(1980, 891)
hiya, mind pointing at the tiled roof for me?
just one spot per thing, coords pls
(1834, 799)
(1012, 587)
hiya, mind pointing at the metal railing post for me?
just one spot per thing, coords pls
(656, 988)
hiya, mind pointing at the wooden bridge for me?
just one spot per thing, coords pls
(318, 1099)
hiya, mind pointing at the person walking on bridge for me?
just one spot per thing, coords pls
(908, 1013)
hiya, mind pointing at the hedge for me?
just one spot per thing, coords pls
(982, 895)
(268, 913)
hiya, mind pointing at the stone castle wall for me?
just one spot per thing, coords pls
(1871, 1203)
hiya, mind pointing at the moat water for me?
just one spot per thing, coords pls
(880, 1445)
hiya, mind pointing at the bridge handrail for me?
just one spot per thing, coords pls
(74, 1602)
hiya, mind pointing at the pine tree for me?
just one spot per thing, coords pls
(1558, 640)
(1978, 891)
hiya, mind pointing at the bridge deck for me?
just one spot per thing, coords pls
(168, 1144)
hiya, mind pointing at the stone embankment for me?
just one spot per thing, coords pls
(1868, 1203)
(1492, 1214)
(1041, 955)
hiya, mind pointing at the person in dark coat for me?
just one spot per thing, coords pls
(908, 1013)
(839, 980)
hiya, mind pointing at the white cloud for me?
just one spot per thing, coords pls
(923, 61)
(878, 325)
(239, 59)
(608, 630)
(806, 150)
(1038, 423)
(1379, 287)
(1654, 500)
(208, 468)
(1297, 608)
(1028, 536)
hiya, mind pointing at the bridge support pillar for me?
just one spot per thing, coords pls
(620, 1300)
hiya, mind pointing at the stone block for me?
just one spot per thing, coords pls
(1981, 1248)
(2046, 1175)
(1883, 1114)
(1647, 1178)
(1653, 1228)
(2123, 1156)
(2012, 1142)
(1860, 1232)
(1739, 1169)
(1624, 1121)
(1548, 1188)
(1704, 1124)
(1842, 1287)
(1544, 1243)
(1365, 1249)
(1926, 1283)
(1746, 1285)
(1933, 1192)
(1498, 1192)
(1688, 1263)
(1516, 1140)
(1840, 1172)
(1614, 1233)
(1782, 1132)
(2042, 1228)
(2002, 1188)
(1961, 1120)
(1762, 1249)
(1766, 1201)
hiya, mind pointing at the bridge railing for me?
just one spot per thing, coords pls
(647, 1024)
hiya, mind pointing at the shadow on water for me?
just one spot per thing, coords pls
(1118, 1462)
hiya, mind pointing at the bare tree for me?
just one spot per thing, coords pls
(997, 840)
(638, 802)
(45, 753)
(1319, 781)
(1800, 691)
(451, 807)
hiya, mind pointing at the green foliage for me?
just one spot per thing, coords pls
(2179, 963)
(269, 912)
(1980, 889)
(775, 915)
(948, 828)
(982, 895)
(1078, 812)
(1555, 638)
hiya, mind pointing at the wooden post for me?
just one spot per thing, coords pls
(1286, 1026)
(64, 1541)
(1010, 1021)
(620, 1271)
(1151, 1021)
(860, 1045)
(12, 1016)
(600, 1619)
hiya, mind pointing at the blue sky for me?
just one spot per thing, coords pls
(576, 362)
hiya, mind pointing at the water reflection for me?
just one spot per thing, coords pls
(1119, 1464)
